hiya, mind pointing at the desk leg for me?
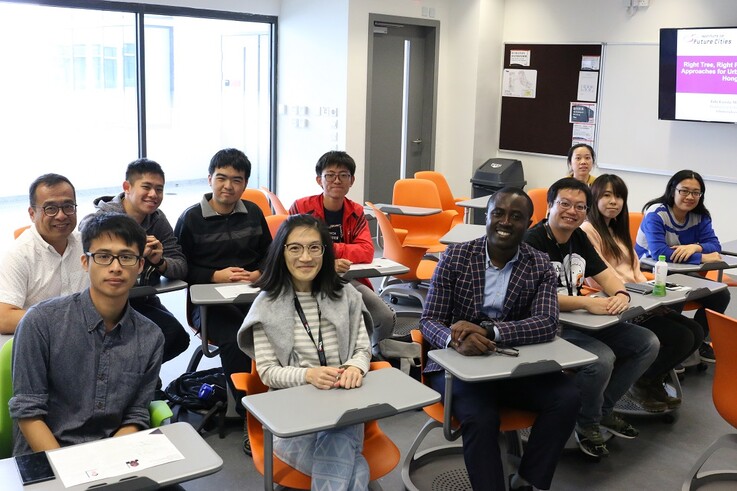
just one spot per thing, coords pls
(268, 460)
(448, 432)
(467, 215)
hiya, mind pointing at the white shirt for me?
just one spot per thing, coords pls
(32, 270)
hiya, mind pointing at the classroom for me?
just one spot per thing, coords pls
(322, 97)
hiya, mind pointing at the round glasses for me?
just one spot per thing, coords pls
(68, 209)
(106, 259)
(296, 250)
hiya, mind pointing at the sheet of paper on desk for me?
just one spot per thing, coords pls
(232, 291)
(113, 457)
(375, 264)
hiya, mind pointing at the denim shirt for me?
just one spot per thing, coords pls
(83, 382)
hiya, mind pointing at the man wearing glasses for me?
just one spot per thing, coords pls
(488, 295)
(43, 262)
(625, 350)
(85, 365)
(349, 230)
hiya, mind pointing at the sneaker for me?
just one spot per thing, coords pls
(657, 389)
(590, 441)
(706, 352)
(619, 427)
(246, 439)
(518, 488)
(647, 395)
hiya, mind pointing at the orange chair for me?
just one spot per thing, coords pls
(420, 269)
(274, 222)
(18, 231)
(635, 221)
(424, 231)
(275, 202)
(380, 452)
(724, 395)
(446, 195)
(511, 421)
(258, 198)
(539, 197)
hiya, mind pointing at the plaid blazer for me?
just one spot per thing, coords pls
(530, 310)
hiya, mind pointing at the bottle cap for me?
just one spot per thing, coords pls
(661, 258)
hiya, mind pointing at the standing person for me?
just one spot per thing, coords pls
(625, 350)
(497, 290)
(224, 239)
(581, 161)
(677, 225)
(43, 262)
(607, 227)
(349, 231)
(143, 192)
(85, 366)
(308, 327)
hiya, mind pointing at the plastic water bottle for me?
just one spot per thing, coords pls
(661, 272)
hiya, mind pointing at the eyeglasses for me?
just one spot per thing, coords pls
(69, 209)
(686, 192)
(567, 205)
(296, 250)
(106, 259)
(330, 176)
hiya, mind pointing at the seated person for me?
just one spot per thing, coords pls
(43, 262)
(349, 231)
(581, 161)
(307, 327)
(143, 192)
(677, 225)
(607, 227)
(85, 366)
(625, 350)
(497, 290)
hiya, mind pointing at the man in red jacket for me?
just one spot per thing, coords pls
(349, 230)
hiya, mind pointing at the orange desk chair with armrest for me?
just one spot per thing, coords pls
(539, 197)
(724, 394)
(380, 452)
(276, 204)
(511, 421)
(420, 269)
(422, 231)
(258, 198)
(446, 195)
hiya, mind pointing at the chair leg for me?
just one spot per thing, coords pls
(194, 361)
(694, 481)
(413, 461)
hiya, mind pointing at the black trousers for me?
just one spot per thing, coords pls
(718, 302)
(176, 338)
(554, 397)
(679, 336)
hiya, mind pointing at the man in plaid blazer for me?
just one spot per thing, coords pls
(497, 290)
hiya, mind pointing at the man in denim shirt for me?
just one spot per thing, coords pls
(85, 366)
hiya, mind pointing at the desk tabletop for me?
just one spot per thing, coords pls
(533, 359)
(478, 203)
(376, 268)
(165, 285)
(222, 293)
(199, 460)
(727, 262)
(730, 248)
(384, 393)
(463, 232)
(391, 209)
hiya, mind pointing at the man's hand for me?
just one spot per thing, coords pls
(154, 249)
(324, 377)
(711, 257)
(470, 339)
(681, 253)
(234, 275)
(342, 265)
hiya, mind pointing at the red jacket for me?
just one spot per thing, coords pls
(357, 245)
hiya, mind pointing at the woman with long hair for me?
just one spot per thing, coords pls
(307, 326)
(581, 161)
(607, 227)
(678, 226)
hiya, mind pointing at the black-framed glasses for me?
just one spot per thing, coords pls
(686, 192)
(567, 205)
(296, 250)
(68, 209)
(106, 259)
(330, 176)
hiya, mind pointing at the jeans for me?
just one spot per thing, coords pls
(625, 351)
(332, 458)
(383, 316)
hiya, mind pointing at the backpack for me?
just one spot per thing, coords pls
(184, 391)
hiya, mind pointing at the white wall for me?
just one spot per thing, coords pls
(580, 21)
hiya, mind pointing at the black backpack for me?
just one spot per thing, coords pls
(184, 391)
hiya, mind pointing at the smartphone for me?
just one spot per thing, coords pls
(641, 288)
(34, 467)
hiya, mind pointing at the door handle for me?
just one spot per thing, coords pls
(417, 142)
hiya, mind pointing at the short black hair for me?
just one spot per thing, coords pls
(230, 157)
(139, 167)
(335, 157)
(510, 190)
(47, 180)
(276, 277)
(568, 183)
(116, 225)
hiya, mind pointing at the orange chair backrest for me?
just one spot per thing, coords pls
(18, 231)
(724, 341)
(393, 248)
(635, 221)
(274, 222)
(416, 192)
(539, 197)
(258, 198)
(275, 202)
(446, 195)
